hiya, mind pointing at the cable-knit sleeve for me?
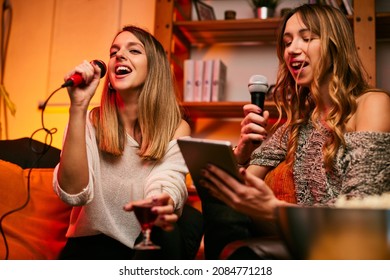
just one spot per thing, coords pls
(169, 174)
(273, 150)
(86, 195)
(365, 164)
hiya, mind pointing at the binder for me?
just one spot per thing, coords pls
(207, 80)
(189, 80)
(198, 85)
(219, 81)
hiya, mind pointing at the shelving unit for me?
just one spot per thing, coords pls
(221, 109)
(228, 31)
(177, 32)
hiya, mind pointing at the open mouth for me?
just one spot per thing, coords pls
(122, 70)
(297, 65)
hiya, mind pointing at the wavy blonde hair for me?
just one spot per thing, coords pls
(348, 78)
(159, 114)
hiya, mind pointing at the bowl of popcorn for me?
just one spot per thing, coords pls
(357, 229)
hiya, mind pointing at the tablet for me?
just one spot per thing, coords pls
(198, 153)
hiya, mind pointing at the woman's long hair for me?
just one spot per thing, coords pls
(159, 113)
(348, 78)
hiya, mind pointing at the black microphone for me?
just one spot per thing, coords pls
(76, 79)
(258, 87)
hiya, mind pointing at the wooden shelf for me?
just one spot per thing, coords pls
(249, 30)
(222, 109)
(227, 31)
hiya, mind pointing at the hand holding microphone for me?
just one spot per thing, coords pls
(77, 79)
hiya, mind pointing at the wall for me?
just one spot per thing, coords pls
(48, 38)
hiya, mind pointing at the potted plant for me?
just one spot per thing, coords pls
(264, 8)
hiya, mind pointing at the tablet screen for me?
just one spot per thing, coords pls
(198, 153)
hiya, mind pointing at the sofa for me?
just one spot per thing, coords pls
(34, 221)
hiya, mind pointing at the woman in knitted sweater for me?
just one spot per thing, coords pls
(336, 138)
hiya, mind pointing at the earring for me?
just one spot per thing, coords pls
(110, 87)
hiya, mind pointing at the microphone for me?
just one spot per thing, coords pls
(258, 87)
(76, 79)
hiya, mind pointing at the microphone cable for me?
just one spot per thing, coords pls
(46, 146)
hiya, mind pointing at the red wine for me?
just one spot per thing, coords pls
(144, 215)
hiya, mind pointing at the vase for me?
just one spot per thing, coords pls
(264, 12)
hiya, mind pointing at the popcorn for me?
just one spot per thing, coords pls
(371, 202)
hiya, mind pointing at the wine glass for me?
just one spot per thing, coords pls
(146, 218)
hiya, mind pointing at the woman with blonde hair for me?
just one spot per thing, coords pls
(335, 140)
(123, 151)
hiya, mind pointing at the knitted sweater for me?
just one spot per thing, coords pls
(114, 181)
(361, 168)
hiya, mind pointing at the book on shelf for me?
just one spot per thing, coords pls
(204, 80)
(198, 85)
(219, 81)
(207, 80)
(189, 80)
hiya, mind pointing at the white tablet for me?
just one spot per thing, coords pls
(198, 153)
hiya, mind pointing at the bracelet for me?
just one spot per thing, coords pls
(245, 164)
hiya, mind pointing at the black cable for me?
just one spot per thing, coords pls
(41, 153)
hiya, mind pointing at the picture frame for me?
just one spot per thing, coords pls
(204, 11)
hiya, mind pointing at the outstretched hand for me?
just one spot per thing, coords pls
(253, 198)
(166, 218)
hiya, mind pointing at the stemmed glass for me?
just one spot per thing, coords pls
(146, 218)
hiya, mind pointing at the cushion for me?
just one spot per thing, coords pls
(281, 181)
(25, 152)
(38, 230)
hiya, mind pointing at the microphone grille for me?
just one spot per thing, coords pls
(258, 83)
(102, 67)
